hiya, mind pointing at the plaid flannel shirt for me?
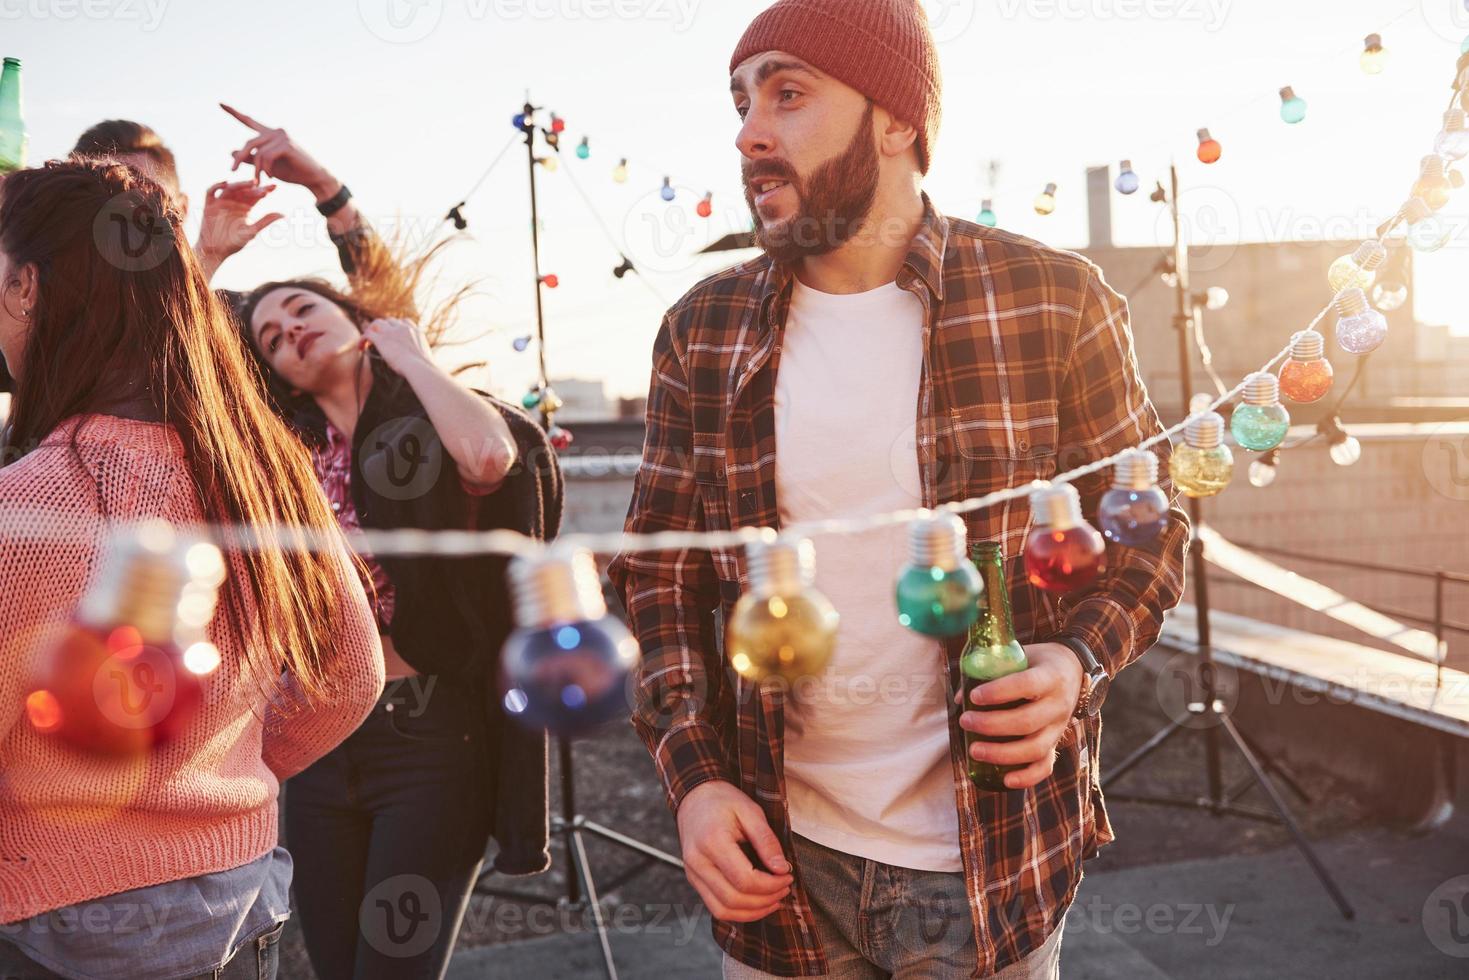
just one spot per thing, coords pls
(1028, 371)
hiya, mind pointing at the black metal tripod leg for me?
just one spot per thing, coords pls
(647, 850)
(594, 905)
(1279, 768)
(1289, 820)
(1141, 753)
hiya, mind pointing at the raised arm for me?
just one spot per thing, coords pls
(1104, 409)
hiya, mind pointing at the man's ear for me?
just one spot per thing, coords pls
(895, 137)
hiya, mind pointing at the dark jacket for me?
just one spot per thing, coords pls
(452, 615)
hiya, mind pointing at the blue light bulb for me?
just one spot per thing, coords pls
(1361, 329)
(1134, 511)
(668, 192)
(1127, 179)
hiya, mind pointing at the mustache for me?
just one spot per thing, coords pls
(769, 170)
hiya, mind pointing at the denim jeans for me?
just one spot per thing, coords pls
(877, 921)
(255, 960)
(388, 832)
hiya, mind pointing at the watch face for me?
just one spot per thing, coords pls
(1098, 693)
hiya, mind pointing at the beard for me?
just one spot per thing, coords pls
(832, 201)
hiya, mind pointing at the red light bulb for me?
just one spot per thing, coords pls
(1209, 149)
(558, 125)
(1063, 552)
(561, 439)
(706, 206)
(1307, 376)
(551, 281)
(126, 676)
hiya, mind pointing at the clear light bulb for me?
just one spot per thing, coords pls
(1261, 422)
(987, 214)
(1307, 375)
(1264, 470)
(938, 590)
(128, 673)
(567, 666)
(1429, 235)
(1374, 55)
(1357, 269)
(1209, 148)
(1203, 465)
(1134, 511)
(1292, 106)
(1216, 298)
(782, 627)
(619, 172)
(1433, 187)
(1453, 139)
(1346, 452)
(1389, 295)
(1045, 202)
(1360, 329)
(1127, 180)
(1063, 552)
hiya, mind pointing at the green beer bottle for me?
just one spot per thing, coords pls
(12, 121)
(991, 652)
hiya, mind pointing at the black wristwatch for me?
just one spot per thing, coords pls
(335, 203)
(1094, 681)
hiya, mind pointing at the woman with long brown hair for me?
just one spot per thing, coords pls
(134, 401)
(390, 829)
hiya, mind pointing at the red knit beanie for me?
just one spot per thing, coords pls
(882, 48)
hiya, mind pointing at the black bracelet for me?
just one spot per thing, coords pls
(335, 203)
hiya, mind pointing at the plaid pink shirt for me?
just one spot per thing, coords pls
(333, 465)
(1028, 371)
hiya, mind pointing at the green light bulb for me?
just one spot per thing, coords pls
(987, 214)
(584, 150)
(1292, 106)
(938, 590)
(1260, 424)
(1203, 465)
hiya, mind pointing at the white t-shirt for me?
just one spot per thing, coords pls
(867, 742)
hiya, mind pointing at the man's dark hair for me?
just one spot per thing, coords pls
(116, 137)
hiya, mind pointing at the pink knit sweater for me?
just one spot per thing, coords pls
(73, 827)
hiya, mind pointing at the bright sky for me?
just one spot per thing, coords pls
(409, 100)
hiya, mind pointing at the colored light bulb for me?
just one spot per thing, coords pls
(1134, 511)
(1453, 139)
(1358, 269)
(559, 438)
(518, 120)
(1261, 422)
(550, 402)
(619, 172)
(551, 164)
(1045, 202)
(1127, 180)
(584, 148)
(128, 673)
(521, 343)
(938, 590)
(1203, 465)
(705, 207)
(567, 665)
(1063, 552)
(1360, 329)
(1292, 106)
(782, 627)
(1263, 471)
(987, 214)
(551, 280)
(1433, 187)
(531, 399)
(1209, 149)
(1307, 375)
(1374, 55)
(668, 192)
(558, 125)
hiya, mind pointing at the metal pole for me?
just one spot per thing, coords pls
(1440, 650)
(535, 248)
(1184, 312)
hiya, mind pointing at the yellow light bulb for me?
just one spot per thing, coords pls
(1203, 465)
(788, 636)
(1045, 203)
(619, 173)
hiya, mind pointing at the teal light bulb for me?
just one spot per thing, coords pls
(987, 214)
(1292, 106)
(584, 149)
(1260, 424)
(938, 590)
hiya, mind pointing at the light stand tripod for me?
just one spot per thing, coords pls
(1209, 713)
(570, 826)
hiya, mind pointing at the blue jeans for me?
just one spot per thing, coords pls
(876, 921)
(255, 960)
(387, 833)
